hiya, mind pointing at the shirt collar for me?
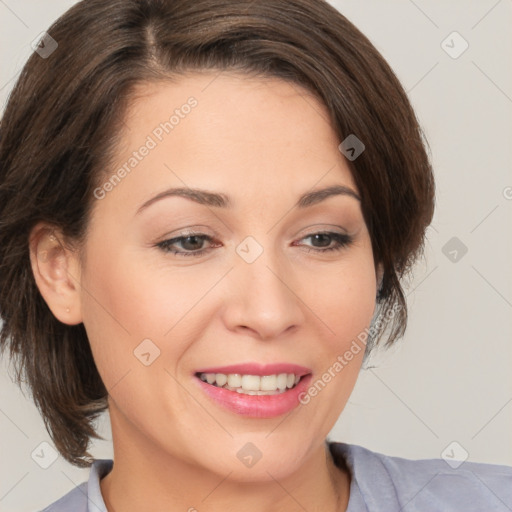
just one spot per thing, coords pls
(99, 469)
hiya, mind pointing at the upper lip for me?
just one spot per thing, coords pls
(258, 369)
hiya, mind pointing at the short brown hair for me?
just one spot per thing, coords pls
(57, 133)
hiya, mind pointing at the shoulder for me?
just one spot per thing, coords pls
(75, 500)
(428, 484)
(85, 497)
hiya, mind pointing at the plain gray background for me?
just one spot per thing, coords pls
(446, 388)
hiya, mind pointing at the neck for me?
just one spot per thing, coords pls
(145, 477)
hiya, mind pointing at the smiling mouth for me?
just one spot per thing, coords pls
(252, 384)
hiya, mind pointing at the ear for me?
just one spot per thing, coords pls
(56, 270)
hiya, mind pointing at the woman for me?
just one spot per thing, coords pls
(207, 208)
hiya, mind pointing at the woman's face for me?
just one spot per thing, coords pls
(174, 285)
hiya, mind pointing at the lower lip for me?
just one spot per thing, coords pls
(256, 406)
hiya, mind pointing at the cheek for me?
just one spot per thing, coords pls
(126, 301)
(345, 299)
(124, 293)
(346, 304)
(356, 305)
(117, 309)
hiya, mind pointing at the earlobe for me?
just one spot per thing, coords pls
(56, 271)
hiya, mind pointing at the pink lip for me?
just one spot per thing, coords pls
(256, 406)
(258, 369)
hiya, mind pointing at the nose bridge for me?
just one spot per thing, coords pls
(263, 299)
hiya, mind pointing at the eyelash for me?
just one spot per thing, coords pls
(342, 241)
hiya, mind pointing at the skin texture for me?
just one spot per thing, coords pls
(262, 142)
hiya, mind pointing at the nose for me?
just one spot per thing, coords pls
(262, 298)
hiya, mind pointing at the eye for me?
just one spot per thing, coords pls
(329, 241)
(192, 243)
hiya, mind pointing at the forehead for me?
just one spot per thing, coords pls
(229, 131)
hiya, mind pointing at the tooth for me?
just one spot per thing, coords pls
(265, 384)
(221, 379)
(234, 380)
(281, 381)
(250, 392)
(251, 382)
(268, 383)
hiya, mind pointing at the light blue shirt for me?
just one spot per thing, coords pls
(379, 483)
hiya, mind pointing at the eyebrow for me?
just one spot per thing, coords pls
(220, 200)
